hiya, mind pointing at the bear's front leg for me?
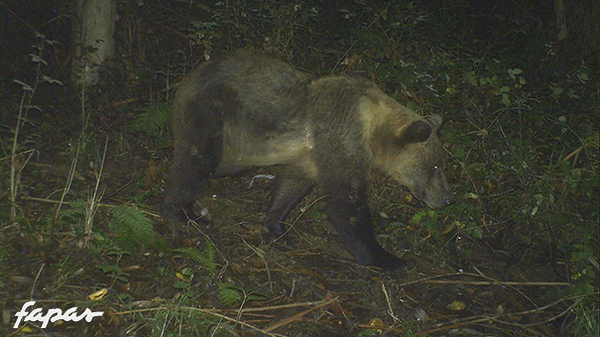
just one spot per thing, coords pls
(197, 128)
(183, 186)
(349, 212)
(188, 179)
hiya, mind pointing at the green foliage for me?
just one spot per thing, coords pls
(496, 78)
(185, 278)
(114, 271)
(75, 213)
(584, 251)
(368, 333)
(522, 128)
(429, 219)
(152, 121)
(230, 294)
(188, 323)
(205, 258)
(134, 228)
(587, 321)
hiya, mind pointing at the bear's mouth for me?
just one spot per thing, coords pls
(433, 203)
(437, 203)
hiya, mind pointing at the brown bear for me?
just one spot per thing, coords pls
(247, 110)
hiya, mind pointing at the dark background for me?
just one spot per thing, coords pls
(521, 132)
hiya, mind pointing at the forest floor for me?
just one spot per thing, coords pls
(83, 172)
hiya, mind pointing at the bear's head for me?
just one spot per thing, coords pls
(406, 146)
(420, 161)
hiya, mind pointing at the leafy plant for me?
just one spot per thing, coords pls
(76, 211)
(18, 158)
(152, 121)
(114, 271)
(134, 228)
(205, 258)
(230, 294)
(429, 219)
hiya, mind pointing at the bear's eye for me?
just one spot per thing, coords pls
(435, 167)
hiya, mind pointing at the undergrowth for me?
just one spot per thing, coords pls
(521, 132)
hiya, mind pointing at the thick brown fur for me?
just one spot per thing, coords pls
(247, 110)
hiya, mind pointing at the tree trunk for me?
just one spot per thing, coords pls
(561, 31)
(93, 30)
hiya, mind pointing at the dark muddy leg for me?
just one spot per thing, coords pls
(187, 181)
(344, 165)
(349, 213)
(286, 193)
(197, 139)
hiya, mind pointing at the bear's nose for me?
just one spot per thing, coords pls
(449, 200)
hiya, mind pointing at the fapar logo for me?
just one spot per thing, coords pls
(53, 315)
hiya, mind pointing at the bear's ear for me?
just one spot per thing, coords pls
(435, 121)
(416, 132)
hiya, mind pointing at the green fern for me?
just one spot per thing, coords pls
(205, 258)
(151, 121)
(75, 212)
(134, 227)
(230, 294)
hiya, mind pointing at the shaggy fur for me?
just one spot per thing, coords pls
(246, 110)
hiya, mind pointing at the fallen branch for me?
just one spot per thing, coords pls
(298, 317)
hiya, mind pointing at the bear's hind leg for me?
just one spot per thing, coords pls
(286, 193)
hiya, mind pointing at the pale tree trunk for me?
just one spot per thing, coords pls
(561, 31)
(93, 30)
(561, 22)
